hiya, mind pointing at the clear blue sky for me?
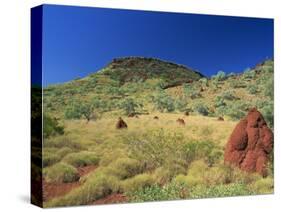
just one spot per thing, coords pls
(78, 41)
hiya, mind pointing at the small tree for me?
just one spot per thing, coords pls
(130, 106)
(164, 102)
(77, 110)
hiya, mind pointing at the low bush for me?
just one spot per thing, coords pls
(61, 173)
(83, 158)
(124, 168)
(51, 127)
(234, 189)
(171, 191)
(262, 186)
(202, 109)
(50, 158)
(137, 182)
(252, 89)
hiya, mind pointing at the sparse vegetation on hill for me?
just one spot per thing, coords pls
(154, 157)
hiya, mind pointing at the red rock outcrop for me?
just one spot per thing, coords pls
(250, 144)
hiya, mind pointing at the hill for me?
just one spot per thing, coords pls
(143, 85)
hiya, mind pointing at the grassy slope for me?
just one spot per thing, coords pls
(109, 144)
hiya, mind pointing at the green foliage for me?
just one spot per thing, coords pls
(76, 110)
(83, 158)
(237, 110)
(49, 158)
(263, 186)
(269, 89)
(164, 149)
(130, 106)
(201, 109)
(61, 173)
(180, 104)
(268, 113)
(234, 189)
(124, 168)
(219, 102)
(204, 82)
(252, 89)
(227, 95)
(187, 89)
(170, 191)
(163, 102)
(51, 127)
(137, 182)
(205, 150)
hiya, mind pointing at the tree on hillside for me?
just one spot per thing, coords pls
(164, 102)
(130, 106)
(76, 110)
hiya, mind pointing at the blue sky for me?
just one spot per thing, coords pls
(78, 41)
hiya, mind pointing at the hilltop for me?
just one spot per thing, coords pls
(135, 69)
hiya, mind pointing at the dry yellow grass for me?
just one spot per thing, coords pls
(196, 128)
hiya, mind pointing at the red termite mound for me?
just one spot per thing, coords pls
(250, 144)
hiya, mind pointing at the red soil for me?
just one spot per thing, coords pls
(52, 190)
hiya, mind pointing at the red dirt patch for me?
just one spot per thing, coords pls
(52, 190)
(111, 199)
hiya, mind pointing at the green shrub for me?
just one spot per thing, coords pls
(189, 180)
(124, 168)
(252, 89)
(78, 109)
(234, 189)
(206, 150)
(50, 158)
(268, 113)
(202, 109)
(171, 191)
(130, 106)
(137, 182)
(165, 174)
(163, 102)
(51, 127)
(83, 158)
(219, 102)
(263, 186)
(227, 95)
(268, 89)
(180, 105)
(61, 173)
